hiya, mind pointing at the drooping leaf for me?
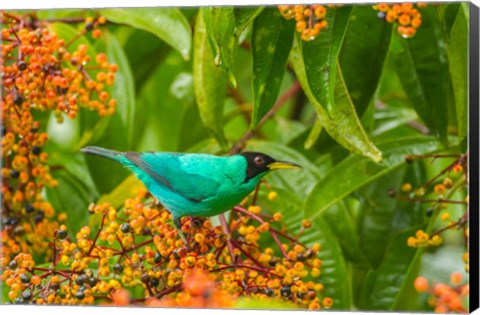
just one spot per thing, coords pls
(422, 65)
(363, 53)
(272, 39)
(209, 83)
(458, 62)
(169, 24)
(341, 123)
(220, 28)
(320, 58)
(244, 17)
(356, 171)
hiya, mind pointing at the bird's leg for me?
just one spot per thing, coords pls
(178, 224)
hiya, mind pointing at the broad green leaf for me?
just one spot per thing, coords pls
(123, 90)
(71, 196)
(117, 134)
(458, 62)
(209, 83)
(363, 53)
(244, 16)
(447, 14)
(342, 123)
(168, 24)
(314, 134)
(220, 28)
(144, 51)
(422, 65)
(61, 13)
(124, 190)
(272, 39)
(382, 285)
(161, 107)
(356, 171)
(342, 224)
(320, 58)
(381, 216)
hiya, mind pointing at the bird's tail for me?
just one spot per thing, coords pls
(109, 154)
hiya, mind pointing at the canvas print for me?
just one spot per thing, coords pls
(293, 157)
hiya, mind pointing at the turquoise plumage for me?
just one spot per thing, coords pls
(196, 184)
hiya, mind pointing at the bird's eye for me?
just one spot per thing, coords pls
(259, 160)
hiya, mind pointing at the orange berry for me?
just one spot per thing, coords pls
(404, 19)
(439, 189)
(416, 22)
(301, 25)
(457, 169)
(96, 33)
(456, 278)
(102, 20)
(327, 302)
(421, 284)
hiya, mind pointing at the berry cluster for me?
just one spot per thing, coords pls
(138, 247)
(310, 19)
(443, 186)
(39, 73)
(445, 298)
(406, 15)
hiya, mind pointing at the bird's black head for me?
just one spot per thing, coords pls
(258, 163)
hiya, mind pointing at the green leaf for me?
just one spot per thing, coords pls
(123, 90)
(126, 189)
(342, 122)
(71, 196)
(363, 53)
(422, 65)
(244, 16)
(381, 216)
(320, 57)
(163, 105)
(272, 39)
(342, 224)
(384, 284)
(220, 26)
(168, 24)
(209, 83)
(356, 171)
(458, 62)
(116, 133)
(315, 132)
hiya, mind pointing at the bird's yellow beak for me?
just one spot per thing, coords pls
(278, 165)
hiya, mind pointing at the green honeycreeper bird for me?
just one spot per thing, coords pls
(196, 184)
